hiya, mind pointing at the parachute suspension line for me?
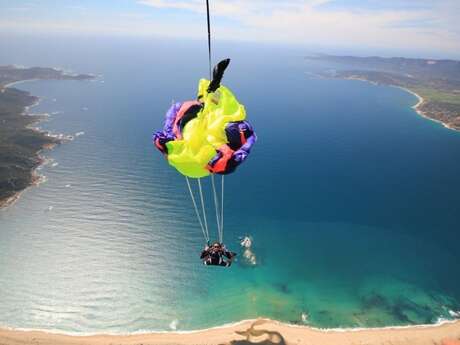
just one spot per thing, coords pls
(203, 229)
(216, 206)
(222, 209)
(220, 220)
(209, 39)
(203, 208)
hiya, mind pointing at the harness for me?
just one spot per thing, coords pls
(209, 259)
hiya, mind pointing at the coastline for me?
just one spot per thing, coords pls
(420, 102)
(12, 189)
(416, 107)
(35, 178)
(263, 331)
(18, 82)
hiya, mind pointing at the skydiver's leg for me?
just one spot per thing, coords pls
(222, 263)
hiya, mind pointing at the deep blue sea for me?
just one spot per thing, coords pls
(352, 200)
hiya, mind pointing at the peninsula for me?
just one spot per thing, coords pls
(19, 143)
(435, 82)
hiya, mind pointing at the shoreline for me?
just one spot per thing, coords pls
(420, 102)
(53, 139)
(35, 176)
(416, 107)
(439, 323)
(18, 82)
(250, 331)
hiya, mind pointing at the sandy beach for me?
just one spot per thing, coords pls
(417, 106)
(261, 331)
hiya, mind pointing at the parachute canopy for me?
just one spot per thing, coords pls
(209, 135)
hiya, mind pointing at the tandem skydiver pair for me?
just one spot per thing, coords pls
(206, 137)
(213, 255)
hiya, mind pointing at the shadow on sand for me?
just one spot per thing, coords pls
(259, 336)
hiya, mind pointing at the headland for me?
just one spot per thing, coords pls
(435, 82)
(20, 144)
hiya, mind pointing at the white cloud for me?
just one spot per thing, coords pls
(306, 22)
(192, 5)
(309, 22)
(236, 8)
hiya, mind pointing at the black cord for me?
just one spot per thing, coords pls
(209, 40)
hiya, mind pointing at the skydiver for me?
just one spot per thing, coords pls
(214, 255)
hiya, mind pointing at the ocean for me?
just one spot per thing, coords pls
(351, 199)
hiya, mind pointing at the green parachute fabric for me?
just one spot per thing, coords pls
(205, 134)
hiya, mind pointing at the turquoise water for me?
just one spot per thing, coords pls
(351, 199)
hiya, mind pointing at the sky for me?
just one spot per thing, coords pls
(419, 25)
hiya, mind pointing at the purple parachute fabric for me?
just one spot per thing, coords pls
(160, 138)
(233, 130)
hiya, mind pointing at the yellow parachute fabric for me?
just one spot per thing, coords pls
(203, 135)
